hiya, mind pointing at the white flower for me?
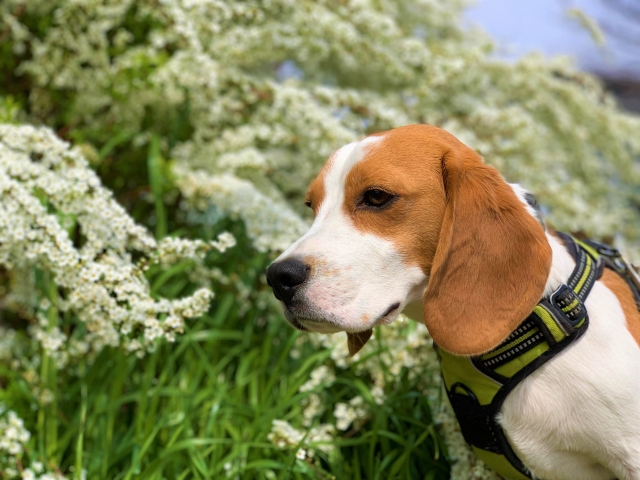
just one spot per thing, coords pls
(27, 474)
(13, 435)
(378, 394)
(322, 375)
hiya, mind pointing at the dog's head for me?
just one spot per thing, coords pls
(406, 215)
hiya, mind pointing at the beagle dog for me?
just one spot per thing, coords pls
(414, 215)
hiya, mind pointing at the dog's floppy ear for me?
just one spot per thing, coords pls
(356, 341)
(491, 262)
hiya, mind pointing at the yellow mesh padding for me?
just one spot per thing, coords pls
(509, 346)
(551, 324)
(460, 369)
(510, 369)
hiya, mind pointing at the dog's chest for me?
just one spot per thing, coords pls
(586, 400)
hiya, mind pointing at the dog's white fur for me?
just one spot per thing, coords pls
(577, 417)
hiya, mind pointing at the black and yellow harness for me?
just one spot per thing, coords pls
(478, 386)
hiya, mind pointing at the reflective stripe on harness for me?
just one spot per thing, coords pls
(478, 386)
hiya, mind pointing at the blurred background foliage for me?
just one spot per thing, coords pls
(210, 116)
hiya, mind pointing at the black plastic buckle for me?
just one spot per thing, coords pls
(562, 298)
(603, 249)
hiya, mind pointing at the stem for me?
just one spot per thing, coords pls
(154, 165)
(52, 376)
(83, 417)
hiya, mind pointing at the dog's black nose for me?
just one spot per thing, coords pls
(285, 277)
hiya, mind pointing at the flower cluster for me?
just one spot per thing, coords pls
(14, 435)
(347, 413)
(270, 222)
(284, 435)
(321, 376)
(170, 249)
(49, 193)
(319, 379)
(13, 441)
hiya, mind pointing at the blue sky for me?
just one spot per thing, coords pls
(519, 26)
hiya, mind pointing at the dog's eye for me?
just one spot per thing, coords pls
(308, 203)
(376, 198)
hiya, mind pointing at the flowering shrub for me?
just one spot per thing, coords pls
(206, 115)
(49, 193)
(57, 219)
(266, 92)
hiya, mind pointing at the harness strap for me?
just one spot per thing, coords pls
(478, 386)
(612, 259)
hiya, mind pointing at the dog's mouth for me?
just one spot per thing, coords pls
(309, 321)
(297, 325)
(393, 307)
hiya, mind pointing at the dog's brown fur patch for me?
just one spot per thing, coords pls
(406, 163)
(491, 264)
(316, 192)
(621, 290)
(355, 341)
